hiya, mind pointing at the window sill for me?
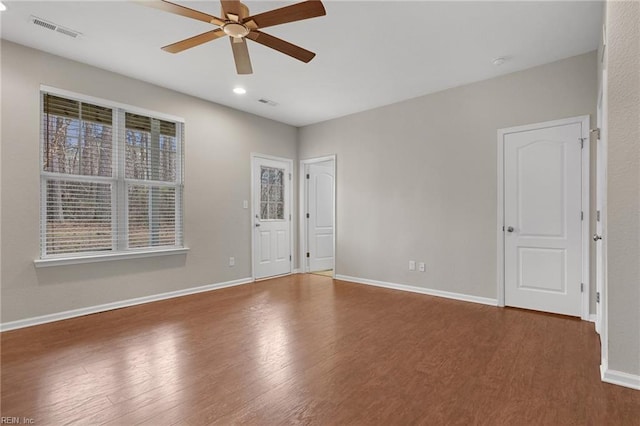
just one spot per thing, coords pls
(76, 260)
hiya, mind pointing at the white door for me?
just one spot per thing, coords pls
(271, 217)
(600, 171)
(600, 210)
(320, 215)
(542, 219)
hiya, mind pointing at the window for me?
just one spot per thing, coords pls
(111, 179)
(271, 193)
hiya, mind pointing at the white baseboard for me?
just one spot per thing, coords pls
(297, 271)
(28, 322)
(592, 318)
(619, 378)
(421, 290)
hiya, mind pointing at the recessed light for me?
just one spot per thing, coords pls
(239, 91)
(498, 61)
(2, 7)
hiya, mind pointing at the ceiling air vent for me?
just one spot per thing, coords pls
(65, 31)
(268, 102)
(54, 27)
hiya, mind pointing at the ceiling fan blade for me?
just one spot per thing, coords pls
(241, 55)
(234, 10)
(281, 46)
(295, 12)
(181, 10)
(194, 41)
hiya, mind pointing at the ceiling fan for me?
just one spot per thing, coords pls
(239, 26)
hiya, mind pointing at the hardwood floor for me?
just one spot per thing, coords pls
(307, 349)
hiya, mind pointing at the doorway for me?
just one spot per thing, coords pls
(271, 236)
(317, 213)
(543, 217)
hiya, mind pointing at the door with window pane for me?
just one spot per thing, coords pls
(271, 217)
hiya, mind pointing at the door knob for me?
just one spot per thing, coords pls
(596, 237)
(510, 229)
(257, 225)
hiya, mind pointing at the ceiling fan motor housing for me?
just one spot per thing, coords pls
(235, 30)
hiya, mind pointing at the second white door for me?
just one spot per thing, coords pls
(272, 217)
(320, 215)
(542, 218)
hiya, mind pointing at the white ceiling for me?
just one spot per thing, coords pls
(369, 53)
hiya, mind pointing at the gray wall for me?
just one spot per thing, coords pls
(417, 180)
(623, 185)
(219, 141)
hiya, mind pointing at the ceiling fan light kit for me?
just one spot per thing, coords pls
(240, 26)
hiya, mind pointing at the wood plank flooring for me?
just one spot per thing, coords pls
(306, 349)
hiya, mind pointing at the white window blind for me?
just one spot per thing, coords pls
(111, 179)
(151, 171)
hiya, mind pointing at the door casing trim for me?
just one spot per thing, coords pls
(584, 121)
(303, 237)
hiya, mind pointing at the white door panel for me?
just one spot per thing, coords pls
(320, 220)
(542, 207)
(323, 190)
(271, 217)
(541, 199)
(324, 246)
(265, 246)
(282, 243)
(542, 269)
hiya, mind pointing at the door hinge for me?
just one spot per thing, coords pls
(289, 216)
(581, 287)
(289, 176)
(598, 215)
(581, 215)
(598, 297)
(308, 254)
(581, 142)
(307, 215)
(307, 175)
(595, 132)
(290, 258)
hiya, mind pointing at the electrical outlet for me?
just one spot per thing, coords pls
(232, 261)
(412, 265)
(421, 267)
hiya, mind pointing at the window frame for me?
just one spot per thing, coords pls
(119, 186)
